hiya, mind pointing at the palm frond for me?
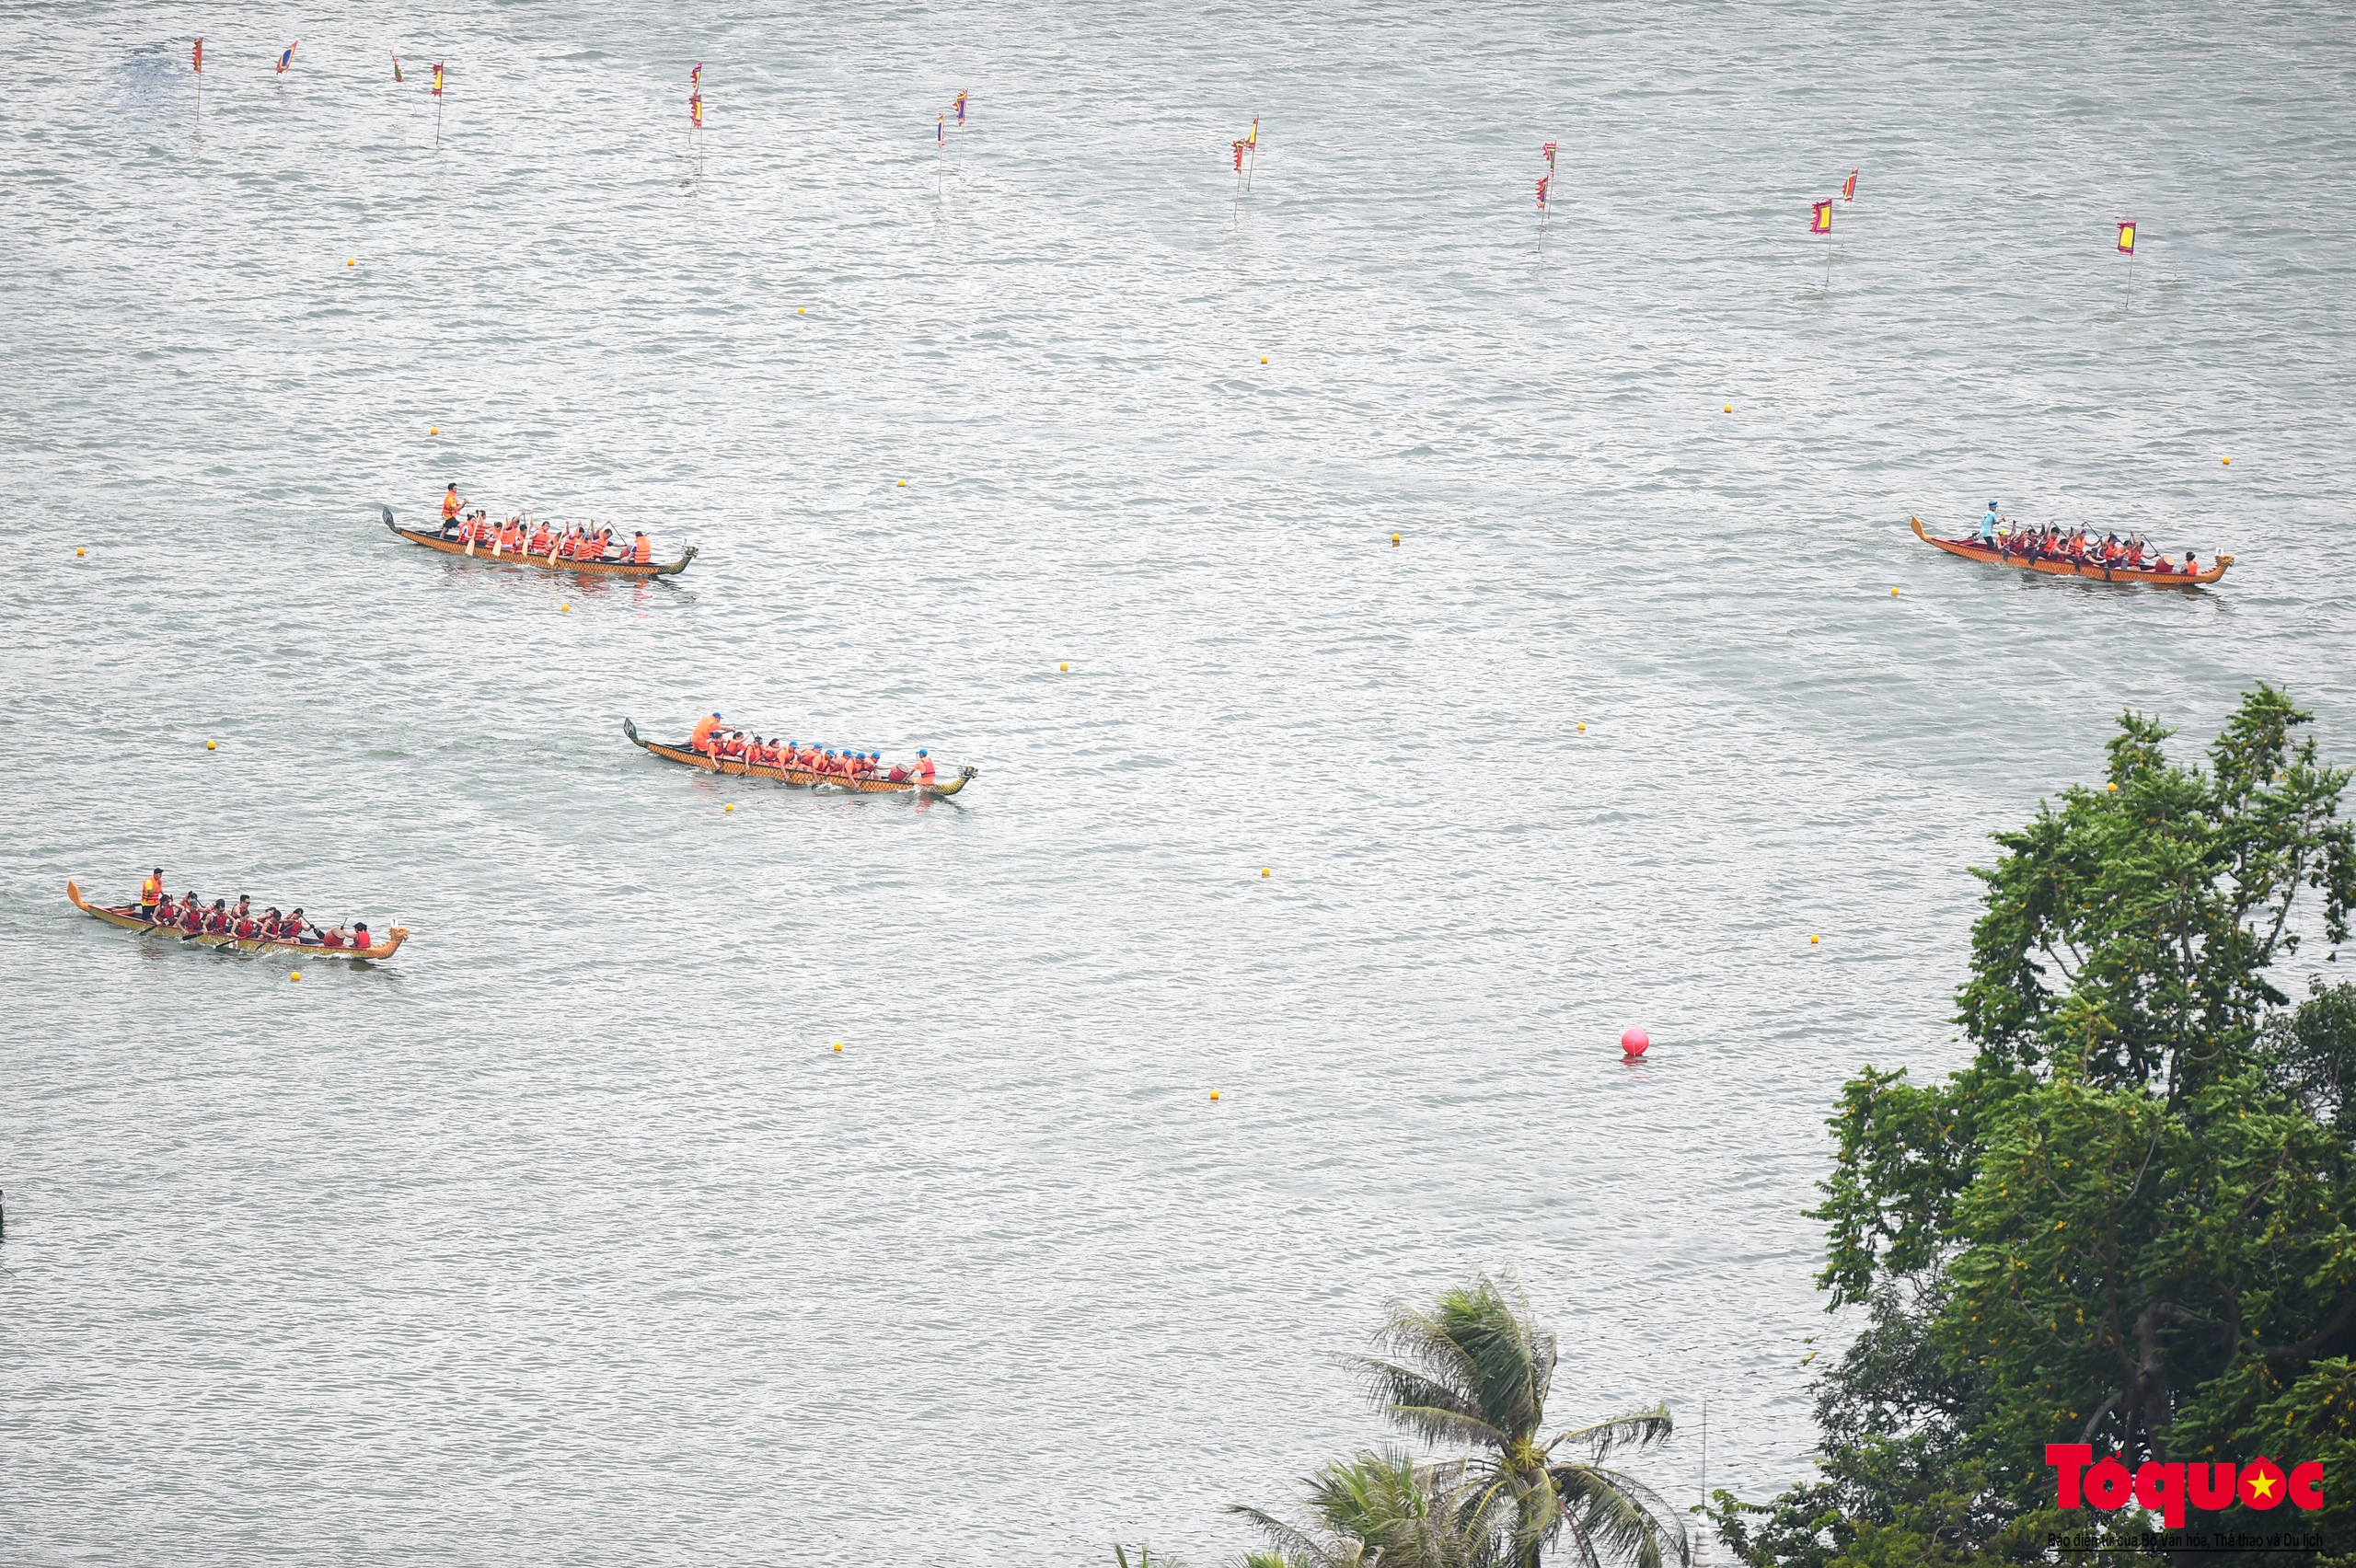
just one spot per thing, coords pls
(1641, 1428)
(1480, 1346)
(1627, 1517)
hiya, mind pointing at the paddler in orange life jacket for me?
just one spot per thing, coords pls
(924, 769)
(151, 894)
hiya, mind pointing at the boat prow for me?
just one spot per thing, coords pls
(2052, 567)
(127, 918)
(434, 541)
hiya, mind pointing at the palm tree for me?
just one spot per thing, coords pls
(1381, 1510)
(1476, 1371)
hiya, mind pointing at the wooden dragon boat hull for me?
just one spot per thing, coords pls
(434, 541)
(2051, 567)
(127, 917)
(802, 775)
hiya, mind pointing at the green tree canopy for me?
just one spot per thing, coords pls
(2122, 1223)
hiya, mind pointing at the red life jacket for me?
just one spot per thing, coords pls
(361, 940)
(246, 929)
(924, 769)
(192, 918)
(331, 938)
(217, 920)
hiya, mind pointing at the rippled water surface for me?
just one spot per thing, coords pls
(565, 1236)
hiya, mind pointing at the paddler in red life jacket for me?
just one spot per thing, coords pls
(150, 894)
(291, 930)
(191, 913)
(216, 919)
(924, 769)
(269, 924)
(361, 940)
(166, 913)
(241, 919)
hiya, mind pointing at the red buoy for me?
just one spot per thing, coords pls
(1635, 1042)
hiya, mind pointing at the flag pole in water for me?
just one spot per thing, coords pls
(1848, 195)
(960, 107)
(1545, 189)
(1251, 145)
(438, 106)
(199, 58)
(2127, 248)
(940, 153)
(1236, 206)
(695, 120)
(1819, 221)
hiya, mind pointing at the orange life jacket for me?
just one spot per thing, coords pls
(152, 891)
(924, 769)
(540, 540)
(449, 505)
(643, 551)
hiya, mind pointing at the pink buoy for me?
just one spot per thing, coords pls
(1635, 1042)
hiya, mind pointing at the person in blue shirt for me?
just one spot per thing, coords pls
(1988, 526)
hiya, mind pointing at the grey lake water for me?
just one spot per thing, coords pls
(566, 1236)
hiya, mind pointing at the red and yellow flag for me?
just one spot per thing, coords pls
(1240, 145)
(1253, 141)
(199, 57)
(1820, 218)
(695, 78)
(695, 111)
(1541, 190)
(397, 66)
(1549, 150)
(1849, 186)
(2127, 237)
(437, 78)
(960, 105)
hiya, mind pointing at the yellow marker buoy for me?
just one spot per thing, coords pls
(434, 430)
(79, 550)
(351, 263)
(1213, 1094)
(208, 745)
(1582, 728)
(1264, 358)
(729, 807)
(296, 975)
(2228, 462)
(1263, 871)
(1893, 592)
(1812, 941)
(2114, 789)
(1395, 539)
(838, 1044)
(1729, 407)
(903, 484)
(564, 606)
(797, 310)
(1066, 668)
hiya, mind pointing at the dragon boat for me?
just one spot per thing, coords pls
(684, 753)
(128, 917)
(433, 540)
(1970, 549)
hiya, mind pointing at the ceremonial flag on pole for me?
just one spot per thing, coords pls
(1849, 186)
(287, 58)
(960, 107)
(1542, 181)
(695, 78)
(1820, 219)
(695, 111)
(437, 78)
(1239, 155)
(939, 131)
(1549, 150)
(2127, 237)
(1253, 141)
(199, 57)
(396, 67)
